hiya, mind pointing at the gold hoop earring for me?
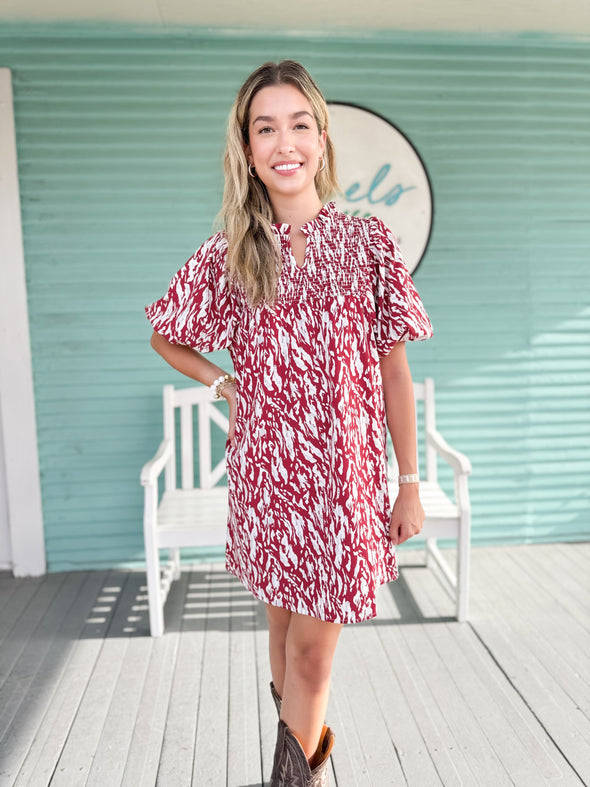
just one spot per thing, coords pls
(323, 167)
(251, 170)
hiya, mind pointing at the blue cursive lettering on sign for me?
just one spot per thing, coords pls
(390, 198)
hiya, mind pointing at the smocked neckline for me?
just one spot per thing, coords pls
(322, 217)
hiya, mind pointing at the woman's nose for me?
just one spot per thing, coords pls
(286, 141)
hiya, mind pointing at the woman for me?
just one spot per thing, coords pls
(315, 307)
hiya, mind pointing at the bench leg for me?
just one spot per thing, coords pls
(463, 572)
(155, 595)
(174, 557)
(430, 545)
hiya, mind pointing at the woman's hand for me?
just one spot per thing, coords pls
(229, 393)
(407, 516)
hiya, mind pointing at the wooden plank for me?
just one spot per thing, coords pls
(39, 650)
(558, 722)
(377, 750)
(101, 713)
(441, 679)
(505, 720)
(243, 746)
(52, 732)
(176, 760)
(413, 760)
(536, 749)
(557, 640)
(500, 626)
(143, 760)
(75, 762)
(112, 748)
(561, 644)
(40, 669)
(268, 719)
(412, 603)
(569, 588)
(576, 555)
(348, 762)
(539, 750)
(14, 598)
(8, 588)
(210, 763)
(575, 571)
(444, 747)
(26, 624)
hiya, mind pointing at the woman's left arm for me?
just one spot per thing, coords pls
(407, 516)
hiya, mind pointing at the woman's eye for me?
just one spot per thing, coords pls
(264, 130)
(301, 125)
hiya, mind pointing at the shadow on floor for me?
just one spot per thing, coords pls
(212, 600)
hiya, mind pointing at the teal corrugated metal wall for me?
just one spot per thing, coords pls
(120, 136)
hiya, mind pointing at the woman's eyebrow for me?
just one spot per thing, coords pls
(293, 116)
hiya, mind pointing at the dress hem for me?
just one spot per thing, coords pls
(258, 594)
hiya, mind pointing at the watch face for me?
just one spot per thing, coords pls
(381, 174)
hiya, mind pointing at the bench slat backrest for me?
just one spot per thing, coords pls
(208, 413)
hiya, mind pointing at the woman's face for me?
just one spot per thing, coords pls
(285, 144)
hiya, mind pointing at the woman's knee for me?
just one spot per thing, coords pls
(310, 652)
(310, 664)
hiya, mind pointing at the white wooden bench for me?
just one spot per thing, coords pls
(195, 515)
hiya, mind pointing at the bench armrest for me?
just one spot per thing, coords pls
(152, 469)
(461, 469)
(458, 461)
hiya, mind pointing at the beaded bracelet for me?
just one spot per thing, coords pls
(411, 478)
(222, 382)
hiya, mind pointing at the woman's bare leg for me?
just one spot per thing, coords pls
(309, 648)
(278, 625)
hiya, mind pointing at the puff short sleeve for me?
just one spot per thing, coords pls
(198, 310)
(401, 316)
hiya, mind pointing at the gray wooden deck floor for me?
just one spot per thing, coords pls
(87, 698)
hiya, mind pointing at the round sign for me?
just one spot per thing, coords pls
(381, 174)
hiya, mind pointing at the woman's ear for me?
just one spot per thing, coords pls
(323, 137)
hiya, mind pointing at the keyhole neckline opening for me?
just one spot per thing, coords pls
(309, 226)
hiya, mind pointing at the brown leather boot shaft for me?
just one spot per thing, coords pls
(291, 768)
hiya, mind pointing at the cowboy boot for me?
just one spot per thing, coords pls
(291, 767)
(275, 695)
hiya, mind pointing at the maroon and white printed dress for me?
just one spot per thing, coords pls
(308, 525)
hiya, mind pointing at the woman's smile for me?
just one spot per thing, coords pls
(288, 167)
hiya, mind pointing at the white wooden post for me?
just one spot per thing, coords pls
(187, 462)
(430, 425)
(168, 406)
(5, 546)
(17, 411)
(205, 446)
(463, 549)
(152, 553)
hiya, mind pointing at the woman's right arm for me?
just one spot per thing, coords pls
(194, 365)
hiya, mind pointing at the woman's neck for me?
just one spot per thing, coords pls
(296, 212)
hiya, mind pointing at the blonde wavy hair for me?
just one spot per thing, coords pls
(254, 257)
